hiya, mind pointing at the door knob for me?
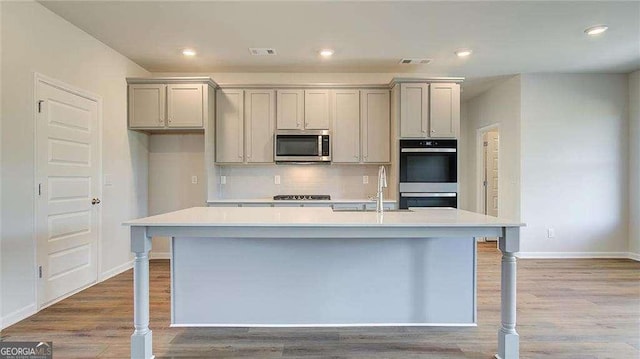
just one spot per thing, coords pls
(95, 201)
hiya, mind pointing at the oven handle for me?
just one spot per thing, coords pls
(428, 150)
(430, 194)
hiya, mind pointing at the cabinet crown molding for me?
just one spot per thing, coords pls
(171, 80)
(399, 80)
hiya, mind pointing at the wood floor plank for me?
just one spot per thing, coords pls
(567, 309)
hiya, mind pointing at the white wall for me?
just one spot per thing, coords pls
(337, 180)
(574, 163)
(36, 40)
(634, 164)
(173, 160)
(499, 105)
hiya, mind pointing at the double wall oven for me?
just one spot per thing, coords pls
(428, 173)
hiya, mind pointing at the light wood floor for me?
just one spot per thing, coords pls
(566, 309)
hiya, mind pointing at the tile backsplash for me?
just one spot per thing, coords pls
(338, 181)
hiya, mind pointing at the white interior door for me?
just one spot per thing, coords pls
(67, 181)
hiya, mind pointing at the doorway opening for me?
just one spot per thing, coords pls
(488, 172)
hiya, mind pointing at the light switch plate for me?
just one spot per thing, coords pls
(365, 179)
(551, 233)
(276, 179)
(194, 179)
(108, 180)
(223, 179)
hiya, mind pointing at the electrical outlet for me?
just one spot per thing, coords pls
(194, 179)
(223, 179)
(276, 179)
(365, 179)
(551, 233)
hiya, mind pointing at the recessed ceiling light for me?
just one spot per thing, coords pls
(463, 52)
(596, 30)
(326, 52)
(189, 52)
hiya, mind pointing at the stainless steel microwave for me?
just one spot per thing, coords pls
(302, 146)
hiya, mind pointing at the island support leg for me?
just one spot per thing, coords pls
(141, 347)
(508, 338)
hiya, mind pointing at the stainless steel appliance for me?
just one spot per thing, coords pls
(304, 197)
(428, 173)
(302, 146)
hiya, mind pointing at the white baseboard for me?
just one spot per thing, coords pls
(634, 256)
(573, 255)
(159, 255)
(115, 271)
(18, 315)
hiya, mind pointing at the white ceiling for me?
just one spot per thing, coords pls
(506, 37)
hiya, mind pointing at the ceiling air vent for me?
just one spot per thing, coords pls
(414, 61)
(262, 51)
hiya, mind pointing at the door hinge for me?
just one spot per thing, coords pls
(39, 189)
(484, 183)
(40, 106)
(39, 271)
(485, 144)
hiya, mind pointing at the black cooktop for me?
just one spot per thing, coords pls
(303, 197)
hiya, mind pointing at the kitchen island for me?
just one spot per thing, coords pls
(316, 267)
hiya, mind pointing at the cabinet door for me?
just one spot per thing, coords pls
(185, 106)
(444, 114)
(229, 126)
(345, 135)
(414, 107)
(290, 109)
(147, 106)
(316, 109)
(260, 115)
(375, 126)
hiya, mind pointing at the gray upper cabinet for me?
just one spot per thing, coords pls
(290, 109)
(170, 103)
(185, 105)
(260, 116)
(414, 110)
(316, 109)
(302, 109)
(444, 113)
(375, 126)
(147, 105)
(230, 126)
(345, 105)
(361, 126)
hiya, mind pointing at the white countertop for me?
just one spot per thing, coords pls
(271, 200)
(320, 217)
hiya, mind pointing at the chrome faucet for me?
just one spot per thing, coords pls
(382, 183)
